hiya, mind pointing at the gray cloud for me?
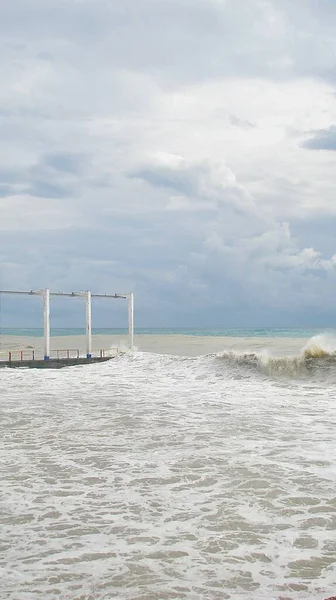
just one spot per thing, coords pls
(236, 121)
(180, 40)
(324, 139)
(197, 181)
(256, 256)
(43, 189)
(65, 162)
(6, 190)
(44, 178)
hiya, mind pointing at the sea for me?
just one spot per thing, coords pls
(197, 332)
(206, 471)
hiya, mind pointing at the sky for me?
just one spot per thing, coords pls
(181, 149)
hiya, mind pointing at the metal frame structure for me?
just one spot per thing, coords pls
(46, 294)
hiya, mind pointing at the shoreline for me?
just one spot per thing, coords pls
(174, 344)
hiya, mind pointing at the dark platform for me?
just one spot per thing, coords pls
(53, 363)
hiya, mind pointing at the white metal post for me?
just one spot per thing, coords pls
(88, 325)
(46, 304)
(131, 319)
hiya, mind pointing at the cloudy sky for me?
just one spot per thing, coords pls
(183, 149)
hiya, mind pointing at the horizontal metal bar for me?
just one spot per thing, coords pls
(81, 294)
(124, 296)
(31, 293)
(65, 350)
(66, 294)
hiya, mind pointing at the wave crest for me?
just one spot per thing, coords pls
(320, 346)
(318, 354)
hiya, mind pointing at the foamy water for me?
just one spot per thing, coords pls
(161, 476)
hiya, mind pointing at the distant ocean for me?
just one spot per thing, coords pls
(201, 332)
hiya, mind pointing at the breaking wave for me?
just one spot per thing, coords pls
(317, 356)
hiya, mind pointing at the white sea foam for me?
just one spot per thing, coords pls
(159, 477)
(321, 345)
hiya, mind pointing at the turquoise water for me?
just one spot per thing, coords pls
(220, 331)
